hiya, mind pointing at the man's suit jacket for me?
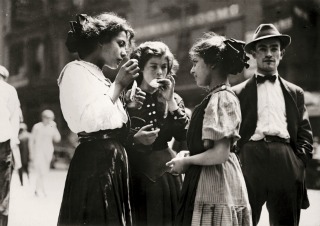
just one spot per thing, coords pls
(299, 127)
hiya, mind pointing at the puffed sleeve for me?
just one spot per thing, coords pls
(222, 117)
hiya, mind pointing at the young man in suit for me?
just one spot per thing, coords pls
(276, 137)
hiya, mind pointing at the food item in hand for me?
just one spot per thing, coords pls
(133, 90)
(154, 83)
(160, 83)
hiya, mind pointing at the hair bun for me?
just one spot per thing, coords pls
(74, 34)
(72, 42)
(235, 55)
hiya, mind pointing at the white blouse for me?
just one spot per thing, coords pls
(9, 113)
(85, 98)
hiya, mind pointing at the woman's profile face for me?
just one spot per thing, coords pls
(201, 71)
(155, 68)
(113, 52)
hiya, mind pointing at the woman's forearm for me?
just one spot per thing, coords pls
(213, 156)
(116, 92)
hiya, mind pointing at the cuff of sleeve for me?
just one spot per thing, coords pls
(210, 134)
(173, 106)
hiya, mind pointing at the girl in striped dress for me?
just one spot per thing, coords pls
(214, 190)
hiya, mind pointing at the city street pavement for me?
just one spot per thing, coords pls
(28, 210)
(309, 217)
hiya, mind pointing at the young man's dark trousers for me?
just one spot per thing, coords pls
(275, 175)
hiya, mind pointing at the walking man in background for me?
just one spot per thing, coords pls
(9, 129)
(24, 137)
(276, 136)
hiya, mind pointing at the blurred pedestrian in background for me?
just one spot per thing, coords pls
(9, 129)
(43, 135)
(162, 116)
(276, 137)
(316, 148)
(24, 137)
(97, 186)
(214, 190)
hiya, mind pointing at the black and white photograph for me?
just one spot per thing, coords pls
(160, 113)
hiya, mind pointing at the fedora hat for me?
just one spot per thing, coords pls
(265, 31)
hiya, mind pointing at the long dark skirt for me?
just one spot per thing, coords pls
(155, 202)
(97, 186)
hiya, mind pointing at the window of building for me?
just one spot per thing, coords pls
(26, 11)
(35, 56)
(16, 58)
(154, 8)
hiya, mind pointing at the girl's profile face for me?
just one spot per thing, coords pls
(155, 68)
(113, 52)
(201, 71)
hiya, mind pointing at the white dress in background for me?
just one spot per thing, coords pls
(42, 138)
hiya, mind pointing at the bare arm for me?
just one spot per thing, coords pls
(213, 156)
(127, 73)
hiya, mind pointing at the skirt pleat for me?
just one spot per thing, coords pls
(226, 215)
(222, 197)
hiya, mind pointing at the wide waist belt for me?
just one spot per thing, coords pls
(269, 139)
(99, 135)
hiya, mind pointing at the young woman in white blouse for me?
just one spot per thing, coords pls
(96, 190)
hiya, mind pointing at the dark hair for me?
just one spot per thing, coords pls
(147, 50)
(86, 32)
(228, 54)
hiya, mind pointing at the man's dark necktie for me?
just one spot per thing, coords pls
(262, 79)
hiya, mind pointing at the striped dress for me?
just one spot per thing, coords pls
(217, 194)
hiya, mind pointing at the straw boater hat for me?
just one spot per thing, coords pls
(265, 31)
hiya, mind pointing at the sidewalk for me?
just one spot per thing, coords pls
(309, 217)
(28, 210)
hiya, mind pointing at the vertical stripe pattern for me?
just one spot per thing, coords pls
(221, 197)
